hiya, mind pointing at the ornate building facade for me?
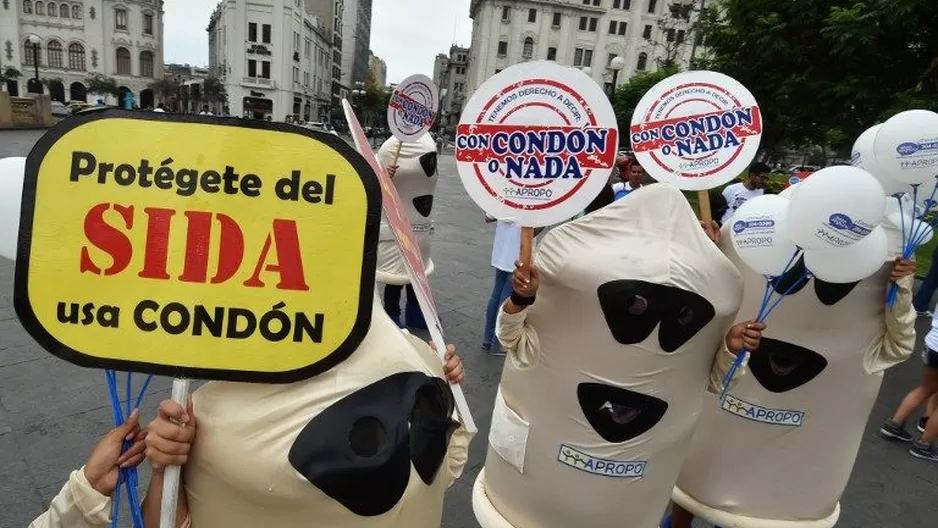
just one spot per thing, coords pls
(71, 40)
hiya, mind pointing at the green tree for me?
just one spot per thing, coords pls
(165, 88)
(628, 95)
(8, 73)
(102, 84)
(213, 91)
(824, 70)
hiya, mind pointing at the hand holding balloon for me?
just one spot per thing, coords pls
(745, 337)
(901, 269)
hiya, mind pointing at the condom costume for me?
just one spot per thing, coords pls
(778, 451)
(415, 181)
(369, 443)
(606, 371)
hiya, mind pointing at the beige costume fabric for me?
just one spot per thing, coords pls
(78, 505)
(415, 182)
(592, 420)
(781, 458)
(239, 474)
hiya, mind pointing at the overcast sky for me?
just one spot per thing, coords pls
(407, 34)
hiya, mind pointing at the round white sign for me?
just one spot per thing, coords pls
(696, 130)
(536, 143)
(413, 108)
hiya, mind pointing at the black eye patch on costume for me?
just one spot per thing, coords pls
(428, 163)
(424, 204)
(792, 282)
(634, 308)
(359, 450)
(780, 366)
(616, 414)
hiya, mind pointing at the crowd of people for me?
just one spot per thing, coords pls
(219, 430)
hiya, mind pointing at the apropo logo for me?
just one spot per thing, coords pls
(907, 149)
(840, 221)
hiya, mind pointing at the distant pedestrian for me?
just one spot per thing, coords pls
(634, 177)
(738, 193)
(895, 428)
(440, 143)
(926, 290)
(505, 253)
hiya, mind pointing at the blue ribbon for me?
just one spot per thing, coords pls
(916, 234)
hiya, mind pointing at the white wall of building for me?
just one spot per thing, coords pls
(489, 28)
(93, 37)
(273, 57)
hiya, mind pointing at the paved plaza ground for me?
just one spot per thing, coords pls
(51, 413)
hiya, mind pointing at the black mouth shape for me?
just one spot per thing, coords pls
(616, 414)
(633, 309)
(424, 205)
(792, 282)
(780, 366)
(428, 164)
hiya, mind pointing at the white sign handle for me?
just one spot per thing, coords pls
(171, 473)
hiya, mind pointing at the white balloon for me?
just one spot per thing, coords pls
(850, 264)
(834, 208)
(759, 236)
(906, 147)
(12, 172)
(914, 228)
(864, 157)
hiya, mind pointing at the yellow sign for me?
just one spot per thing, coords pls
(197, 247)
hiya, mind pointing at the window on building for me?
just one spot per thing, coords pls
(76, 12)
(307, 49)
(305, 78)
(652, 4)
(551, 53)
(592, 2)
(64, 11)
(296, 75)
(76, 56)
(671, 34)
(506, 13)
(642, 61)
(622, 28)
(147, 24)
(265, 33)
(27, 7)
(30, 53)
(252, 32)
(265, 69)
(609, 59)
(593, 23)
(53, 9)
(502, 48)
(621, 4)
(120, 19)
(252, 68)
(146, 63)
(587, 57)
(123, 61)
(584, 23)
(527, 51)
(40, 8)
(54, 52)
(556, 21)
(680, 36)
(612, 27)
(646, 33)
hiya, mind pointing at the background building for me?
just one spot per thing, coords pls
(334, 11)
(122, 40)
(356, 40)
(579, 33)
(273, 57)
(450, 74)
(377, 70)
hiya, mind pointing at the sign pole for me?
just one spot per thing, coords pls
(397, 152)
(703, 197)
(171, 474)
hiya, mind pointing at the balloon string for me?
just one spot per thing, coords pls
(743, 355)
(127, 477)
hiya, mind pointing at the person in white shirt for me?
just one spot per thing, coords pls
(636, 177)
(737, 194)
(505, 252)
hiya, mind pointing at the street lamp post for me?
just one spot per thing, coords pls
(34, 85)
(617, 64)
